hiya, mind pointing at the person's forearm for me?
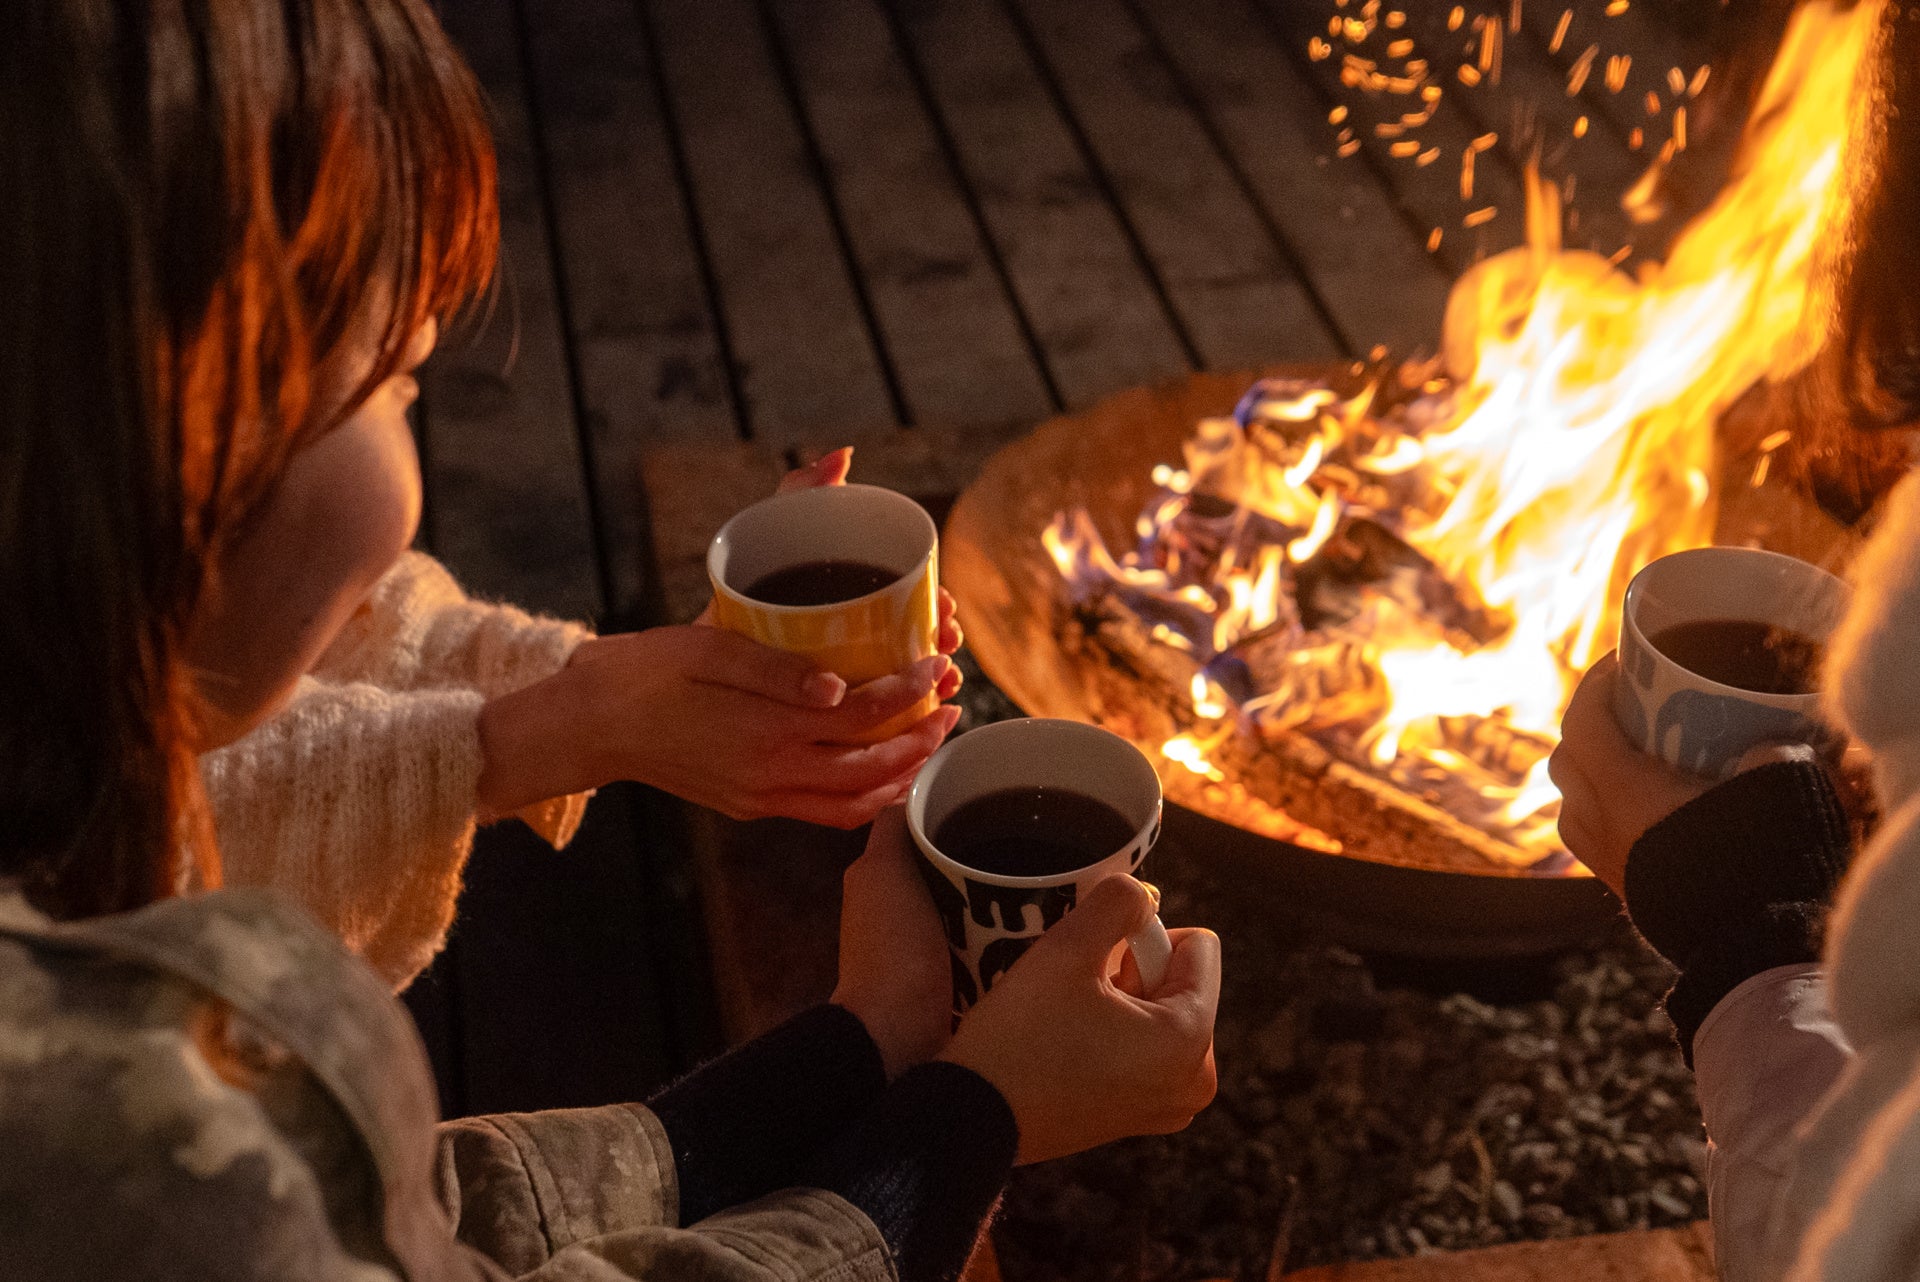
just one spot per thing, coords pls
(926, 1165)
(1734, 888)
(750, 1122)
(532, 746)
(1739, 882)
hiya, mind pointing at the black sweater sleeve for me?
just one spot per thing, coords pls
(749, 1122)
(1738, 881)
(926, 1165)
(808, 1104)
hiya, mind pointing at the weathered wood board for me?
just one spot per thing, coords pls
(1645, 1255)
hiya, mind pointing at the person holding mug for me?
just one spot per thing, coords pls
(1798, 996)
(223, 254)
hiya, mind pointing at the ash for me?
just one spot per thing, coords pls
(1360, 1117)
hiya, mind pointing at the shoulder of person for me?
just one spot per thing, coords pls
(151, 1130)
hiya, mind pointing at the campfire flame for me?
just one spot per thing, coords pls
(1415, 570)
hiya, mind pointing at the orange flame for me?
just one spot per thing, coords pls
(1572, 444)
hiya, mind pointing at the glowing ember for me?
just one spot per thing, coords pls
(1414, 572)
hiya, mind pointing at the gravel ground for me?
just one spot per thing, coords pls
(1361, 1117)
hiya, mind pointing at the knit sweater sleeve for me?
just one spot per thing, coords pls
(1737, 882)
(808, 1104)
(418, 631)
(358, 802)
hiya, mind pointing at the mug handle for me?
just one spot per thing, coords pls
(1152, 950)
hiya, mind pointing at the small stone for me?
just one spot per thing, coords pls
(1669, 1205)
(1435, 1180)
(1506, 1203)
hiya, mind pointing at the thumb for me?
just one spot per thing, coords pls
(1192, 984)
(1105, 915)
(829, 469)
(729, 659)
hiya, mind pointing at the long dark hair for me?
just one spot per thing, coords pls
(1871, 373)
(199, 199)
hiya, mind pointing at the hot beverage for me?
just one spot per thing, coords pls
(820, 583)
(1032, 832)
(1744, 653)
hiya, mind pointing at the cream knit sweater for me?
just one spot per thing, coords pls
(357, 799)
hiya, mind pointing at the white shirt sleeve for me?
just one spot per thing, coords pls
(1763, 1061)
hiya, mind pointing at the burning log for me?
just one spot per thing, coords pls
(1139, 688)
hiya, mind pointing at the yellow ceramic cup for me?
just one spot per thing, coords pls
(861, 639)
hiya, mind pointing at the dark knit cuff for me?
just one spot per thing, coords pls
(926, 1164)
(749, 1122)
(1739, 881)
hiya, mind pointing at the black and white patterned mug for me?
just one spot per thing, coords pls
(991, 919)
(1692, 721)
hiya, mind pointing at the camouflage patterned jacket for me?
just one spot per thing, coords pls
(213, 1088)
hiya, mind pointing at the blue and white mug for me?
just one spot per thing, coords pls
(1685, 719)
(991, 919)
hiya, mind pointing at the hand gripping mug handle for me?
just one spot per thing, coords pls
(1152, 950)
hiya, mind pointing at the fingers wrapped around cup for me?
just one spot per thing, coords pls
(845, 575)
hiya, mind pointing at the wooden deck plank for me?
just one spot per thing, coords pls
(1237, 288)
(1092, 305)
(1432, 192)
(1371, 267)
(651, 360)
(954, 337)
(563, 1005)
(807, 356)
(511, 514)
(546, 958)
(1642, 1255)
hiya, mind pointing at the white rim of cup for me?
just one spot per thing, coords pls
(1627, 619)
(918, 794)
(907, 507)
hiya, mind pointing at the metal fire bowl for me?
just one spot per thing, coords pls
(993, 561)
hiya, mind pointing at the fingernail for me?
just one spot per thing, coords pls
(930, 669)
(1152, 890)
(823, 690)
(953, 719)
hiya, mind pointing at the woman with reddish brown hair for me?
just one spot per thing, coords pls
(232, 229)
(1798, 996)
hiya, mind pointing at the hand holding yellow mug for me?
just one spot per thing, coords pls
(805, 548)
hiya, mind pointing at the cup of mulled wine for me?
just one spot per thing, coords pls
(1015, 822)
(1721, 650)
(847, 575)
